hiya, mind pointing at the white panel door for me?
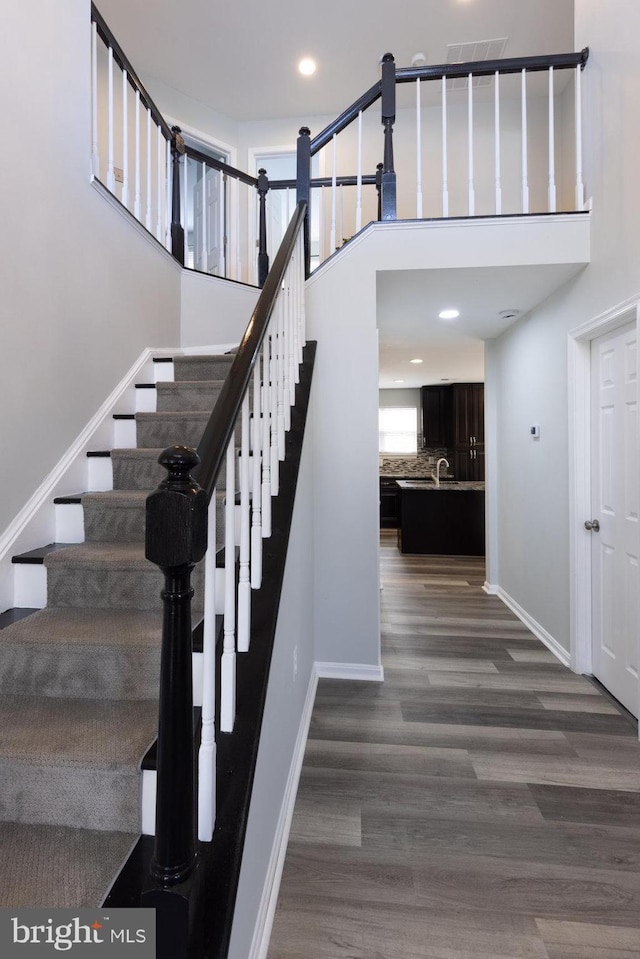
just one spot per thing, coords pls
(615, 495)
(208, 214)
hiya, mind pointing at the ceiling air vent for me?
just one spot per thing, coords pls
(473, 51)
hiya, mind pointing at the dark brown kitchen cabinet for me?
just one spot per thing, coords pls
(468, 431)
(436, 416)
(468, 414)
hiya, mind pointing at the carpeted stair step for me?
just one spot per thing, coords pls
(137, 469)
(89, 653)
(155, 430)
(187, 395)
(73, 762)
(118, 516)
(215, 367)
(115, 516)
(108, 575)
(59, 866)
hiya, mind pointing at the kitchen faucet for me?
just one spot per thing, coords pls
(436, 476)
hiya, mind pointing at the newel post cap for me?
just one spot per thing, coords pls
(176, 513)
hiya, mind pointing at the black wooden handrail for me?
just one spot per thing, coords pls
(478, 68)
(483, 68)
(219, 430)
(221, 165)
(125, 64)
(346, 117)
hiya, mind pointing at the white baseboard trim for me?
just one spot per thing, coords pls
(358, 671)
(538, 631)
(271, 889)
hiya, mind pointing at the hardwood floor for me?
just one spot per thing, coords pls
(482, 803)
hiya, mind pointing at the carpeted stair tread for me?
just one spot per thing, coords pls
(115, 515)
(78, 652)
(137, 469)
(171, 428)
(58, 866)
(212, 367)
(74, 762)
(187, 395)
(76, 732)
(100, 556)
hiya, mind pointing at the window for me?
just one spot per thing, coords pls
(398, 430)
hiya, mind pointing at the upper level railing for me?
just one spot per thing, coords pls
(193, 203)
(460, 148)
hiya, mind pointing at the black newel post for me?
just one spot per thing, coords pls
(303, 188)
(176, 539)
(263, 256)
(388, 187)
(177, 232)
(379, 169)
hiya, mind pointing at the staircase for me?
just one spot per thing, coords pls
(79, 678)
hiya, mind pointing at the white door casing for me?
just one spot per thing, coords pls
(614, 497)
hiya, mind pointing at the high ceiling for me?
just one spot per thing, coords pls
(240, 58)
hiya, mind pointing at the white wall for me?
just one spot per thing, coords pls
(82, 293)
(530, 361)
(214, 310)
(284, 723)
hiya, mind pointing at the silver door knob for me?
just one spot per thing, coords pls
(592, 525)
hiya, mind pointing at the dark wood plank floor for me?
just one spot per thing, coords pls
(482, 803)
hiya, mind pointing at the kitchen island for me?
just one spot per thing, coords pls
(446, 519)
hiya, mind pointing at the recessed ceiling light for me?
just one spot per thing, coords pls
(415, 361)
(449, 314)
(398, 381)
(307, 66)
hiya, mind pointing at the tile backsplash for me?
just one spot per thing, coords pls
(422, 463)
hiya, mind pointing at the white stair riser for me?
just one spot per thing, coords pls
(124, 434)
(146, 401)
(69, 523)
(99, 473)
(30, 585)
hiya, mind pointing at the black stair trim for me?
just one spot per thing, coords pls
(104, 453)
(35, 557)
(124, 416)
(220, 860)
(145, 386)
(15, 614)
(71, 499)
(163, 359)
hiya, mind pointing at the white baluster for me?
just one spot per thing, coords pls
(273, 405)
(168, 192)
(184, 197)
(333, 200)
(525, 147)
(552, 147)
(159, 179)
(472, 192)
(207, 753)
(228, 664)
(497, 145)
(302, 318)
(280, 374)
(256, 479)
(148, 220)
(359, 177)
(95, 156)
(125, 139)
(341, 216)
(295, 301)
(111, 179)
(266, 440)
(445, 157)
(244, 579)
(418, 151)
(204, 259)
(578, 111)
(321, 226)
(136, 187)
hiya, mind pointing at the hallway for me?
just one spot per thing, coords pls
(482, 803)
